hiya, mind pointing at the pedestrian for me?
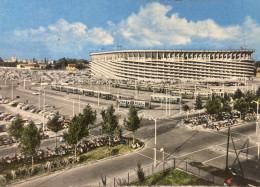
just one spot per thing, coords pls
(229, 182)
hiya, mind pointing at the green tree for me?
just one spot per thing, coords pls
(74, 135)
(258, 92)
(89, 116)
(214, 106)
(226, 97)
(249, 98)
(16, 128)
(186, 108)
(133, 122)
(238, 94)
(226, 107)
(30, 140)
(140, 173)
(198, 103)
(55, 125)
(110, 122)
(48, 67)
(241, 105)
(79, 126)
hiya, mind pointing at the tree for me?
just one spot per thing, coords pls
(74, 135)
(186, 108)
(55, 125)
(16, 128)
(48, 67)
(249, 98)
(133, 122)
(226, 98)
(79, 126)
(258, 92)
(241, 105)
(89, 116)
(30, 140)
(140, 173)
(226, 107)
(238, 94)
(214, 106)
(198, 104)
(110, 122)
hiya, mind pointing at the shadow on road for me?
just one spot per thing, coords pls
(179, 147)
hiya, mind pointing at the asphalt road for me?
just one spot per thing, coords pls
(179, 142)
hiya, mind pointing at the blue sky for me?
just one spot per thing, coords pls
(54, 29)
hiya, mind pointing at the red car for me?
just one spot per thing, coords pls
(3, 116)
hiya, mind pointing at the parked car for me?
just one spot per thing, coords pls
(9, 117)
(20, 105)
(13, 119)
(5, 115)
(33, 110)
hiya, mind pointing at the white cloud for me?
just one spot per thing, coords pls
(152, 27)
(69, 36)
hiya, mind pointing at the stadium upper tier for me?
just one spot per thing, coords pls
(173, 64)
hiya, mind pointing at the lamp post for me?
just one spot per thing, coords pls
(73, 109)
(39, 98)
(43, 127)
(155, 139)
(166, 104)
(257, 128)
(12, 90)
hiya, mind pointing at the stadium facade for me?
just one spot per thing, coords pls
(173, 64)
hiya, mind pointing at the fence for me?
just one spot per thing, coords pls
(184, 165)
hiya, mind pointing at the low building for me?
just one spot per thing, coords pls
(71, 67)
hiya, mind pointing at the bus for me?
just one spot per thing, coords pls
(136, 103)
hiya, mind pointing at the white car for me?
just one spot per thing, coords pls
(36, 93)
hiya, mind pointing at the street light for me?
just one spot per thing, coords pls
(155, 134)
(155, 139)
(257, 127)
(12, 90)
(43, 127)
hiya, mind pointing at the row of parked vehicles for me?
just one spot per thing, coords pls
(27, 107)
(6, 116)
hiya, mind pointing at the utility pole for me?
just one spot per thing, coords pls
(43, 127)
(12, 90)
(39, 98)
(73, 109)
(155, 141)
(98, 97)
(226, 171)
(79, 103)
(166, 104)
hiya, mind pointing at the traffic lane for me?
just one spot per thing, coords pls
(251, 167)
(91, 173)
(177, 139)
(244, 130)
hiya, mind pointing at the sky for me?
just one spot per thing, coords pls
(54, 29)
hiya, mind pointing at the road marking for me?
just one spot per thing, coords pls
(213, 159)
(145, 155)
(239, 134)
(195, 151)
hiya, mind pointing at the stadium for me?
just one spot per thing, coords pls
(167, 65)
